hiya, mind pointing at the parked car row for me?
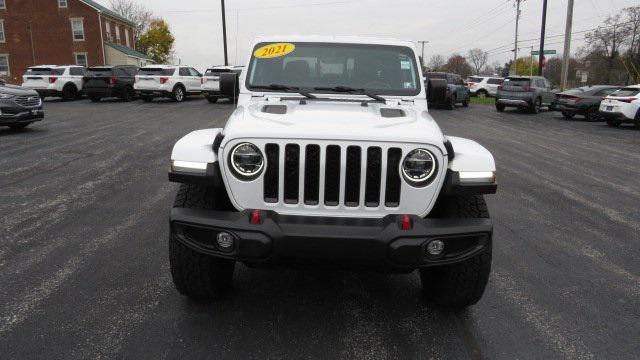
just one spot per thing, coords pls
(622, 106)
(126, 81)
(19, 107)
(483, 86)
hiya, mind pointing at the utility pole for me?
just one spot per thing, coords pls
(542, 31)
(515, 43)
(567, 46)
(531, 62)
(224, 34)
(422, 58)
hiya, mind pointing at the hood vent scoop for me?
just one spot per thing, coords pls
(392, 113)
(275, 109)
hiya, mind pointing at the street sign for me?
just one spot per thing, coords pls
(546, 52)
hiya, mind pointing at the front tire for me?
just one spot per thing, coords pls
(195, 275)
(465, 102)
(128, 94)
(462, 284)
(482, 94)
(568, 115)
(613, 122)
(500, 107)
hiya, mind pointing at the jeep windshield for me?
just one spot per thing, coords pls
(334, 68)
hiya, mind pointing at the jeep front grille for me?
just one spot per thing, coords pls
(352, 176)
(28, 101)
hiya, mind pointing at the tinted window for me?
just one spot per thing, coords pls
(216, 71)
(475, 79)
(605, 92)
(77, 71)
(99, 71)
(627, 92)
(44, 71)
(184, 72)
(194, 72)
(436, 76)
(382, 69)
(157, 71)
(122, 72)
(494, 81)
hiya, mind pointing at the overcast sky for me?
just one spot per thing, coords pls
(449, 25)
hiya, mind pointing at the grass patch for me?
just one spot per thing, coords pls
(483, 100)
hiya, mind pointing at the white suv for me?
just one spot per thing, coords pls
(211, 80)
(54, 80)
(622, 106)
(332, 159)
(172, 81)
(482, 86)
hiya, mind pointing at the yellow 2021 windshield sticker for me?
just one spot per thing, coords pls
(274, 50)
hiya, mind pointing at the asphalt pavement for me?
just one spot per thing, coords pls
(84, 204)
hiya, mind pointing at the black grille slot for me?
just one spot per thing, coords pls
(271, 173)
(392, 191)
(312, 175)
(374, 176)
(332, 176)
(291, 173)
(352, 177)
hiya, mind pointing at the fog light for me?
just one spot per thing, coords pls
(435, 247)
(225, 241)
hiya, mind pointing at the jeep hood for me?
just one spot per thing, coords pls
(376, 122)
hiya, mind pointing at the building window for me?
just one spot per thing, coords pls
(2, 38)
(107, 28)
(62, 3)
(3, 4)
(126, 37)
(81, 59)
(77, 27)
(117, 34)
(4, 65)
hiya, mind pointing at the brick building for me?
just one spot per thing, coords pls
(62, 32)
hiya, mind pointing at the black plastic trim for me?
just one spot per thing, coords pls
(452, 186)
(212, 177)
(216, 142)
(450, 153)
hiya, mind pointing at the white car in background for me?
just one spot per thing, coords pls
(622, 106)
(482, 86)
(53, 80)
(211, 80)
(171, 81)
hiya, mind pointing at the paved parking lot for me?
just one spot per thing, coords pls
(84, 203)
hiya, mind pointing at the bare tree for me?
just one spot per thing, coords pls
(478, 59)
(138, 14)
(436, 62)
(606, 42)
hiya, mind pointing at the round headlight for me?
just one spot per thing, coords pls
(419, 166)
(246, 161)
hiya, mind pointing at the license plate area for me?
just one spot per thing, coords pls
(609, 108)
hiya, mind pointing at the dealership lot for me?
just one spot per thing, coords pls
(84, 204)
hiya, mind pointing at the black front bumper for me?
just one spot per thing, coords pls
(342, 242)
(154, 93)
(12, 116)
(102, 92)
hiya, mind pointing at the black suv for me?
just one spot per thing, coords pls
(110, 81)
(457, 91)
(19, 106)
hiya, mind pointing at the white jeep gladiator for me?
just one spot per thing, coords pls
(332, 159)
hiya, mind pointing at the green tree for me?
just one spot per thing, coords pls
(524, 66)
(157, 41)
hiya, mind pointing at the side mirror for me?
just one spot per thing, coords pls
(436, 91)
(229, 85)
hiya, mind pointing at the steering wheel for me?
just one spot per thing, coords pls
(377, 85)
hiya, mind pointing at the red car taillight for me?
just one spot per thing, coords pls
(163, 80)
(52, 80)
(113, 81)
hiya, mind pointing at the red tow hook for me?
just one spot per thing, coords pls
(255, 217)
(406, 222)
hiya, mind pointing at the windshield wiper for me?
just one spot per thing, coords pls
(348, 89)
(286, 88)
